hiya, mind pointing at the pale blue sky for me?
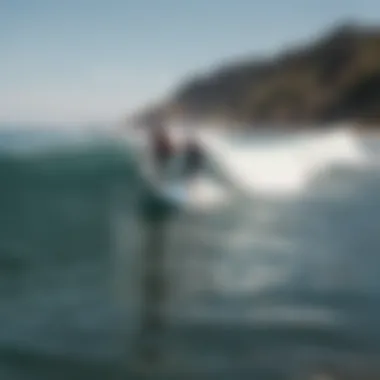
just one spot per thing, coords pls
(88, 60)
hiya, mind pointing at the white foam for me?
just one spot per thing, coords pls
(284, 167)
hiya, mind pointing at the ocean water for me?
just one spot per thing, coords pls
(282, 282)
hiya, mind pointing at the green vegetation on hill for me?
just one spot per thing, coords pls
(336, 78)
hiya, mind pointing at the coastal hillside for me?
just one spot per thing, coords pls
(335, 78)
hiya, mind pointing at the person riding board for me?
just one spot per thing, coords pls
(163, 151)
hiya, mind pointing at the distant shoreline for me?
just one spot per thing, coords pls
(332, 81)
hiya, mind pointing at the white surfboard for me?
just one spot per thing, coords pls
(199, 193)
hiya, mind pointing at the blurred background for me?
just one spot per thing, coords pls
(269, 270)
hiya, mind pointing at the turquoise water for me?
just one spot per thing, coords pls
(266, 289)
